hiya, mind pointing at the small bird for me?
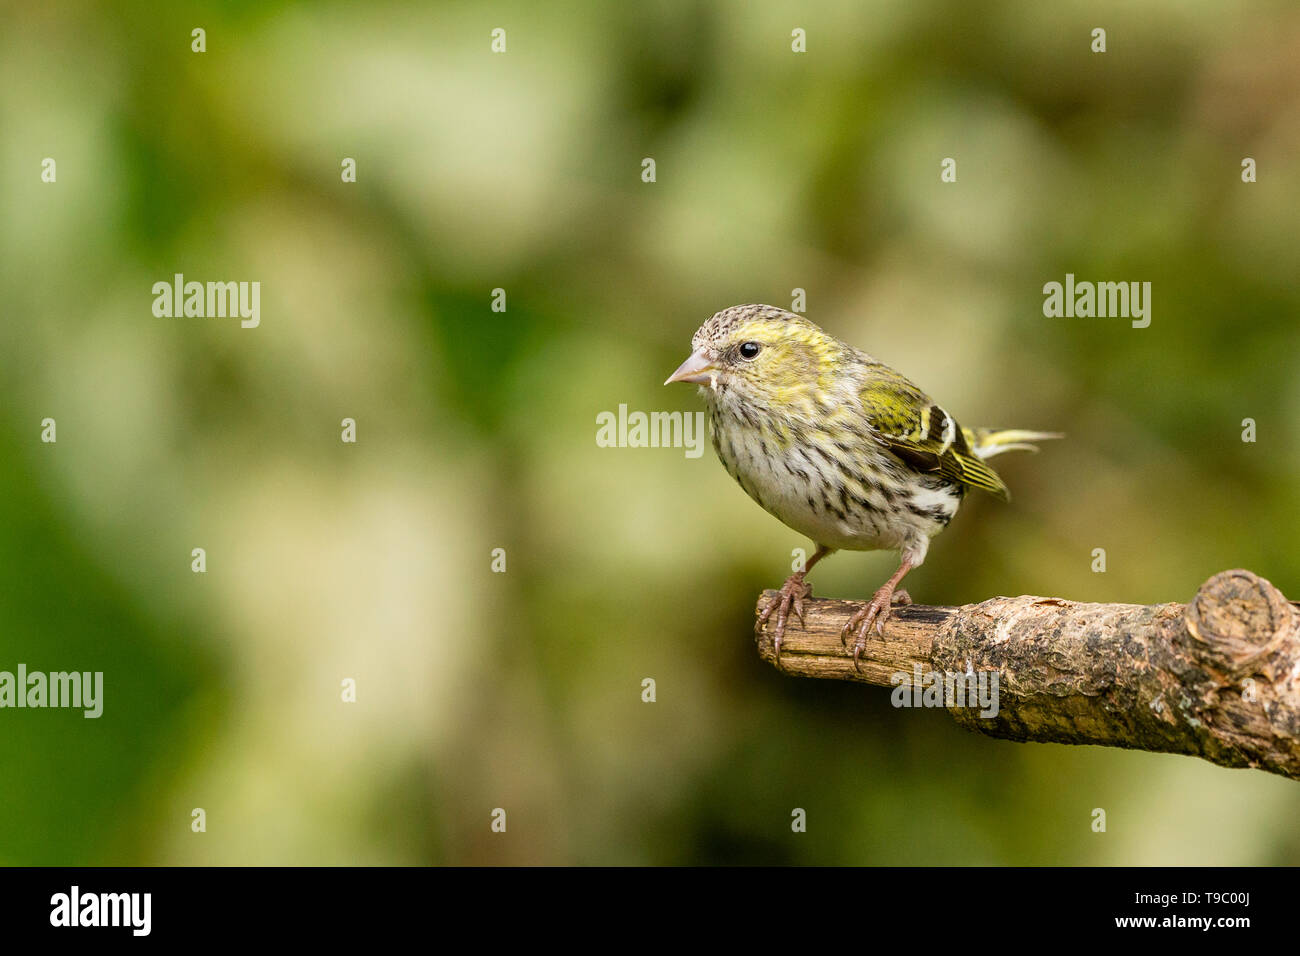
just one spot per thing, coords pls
(838, 446)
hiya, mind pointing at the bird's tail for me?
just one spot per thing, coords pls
(987, 442)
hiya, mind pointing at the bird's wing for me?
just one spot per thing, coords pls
(922, 434)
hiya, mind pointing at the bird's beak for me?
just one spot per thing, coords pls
(699, 368)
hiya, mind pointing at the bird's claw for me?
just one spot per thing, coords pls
(791, 596)
(875, 613)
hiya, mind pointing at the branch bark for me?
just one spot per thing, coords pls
(1217, 678)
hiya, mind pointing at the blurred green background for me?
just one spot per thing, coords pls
(476, 429)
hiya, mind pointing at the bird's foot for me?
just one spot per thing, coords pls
(875, 613)
(789, 597)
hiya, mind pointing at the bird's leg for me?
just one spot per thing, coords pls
(876, 612)
(790, 596)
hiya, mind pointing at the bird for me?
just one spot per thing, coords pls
(839, 447)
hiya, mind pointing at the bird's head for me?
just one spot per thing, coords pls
(760, 355)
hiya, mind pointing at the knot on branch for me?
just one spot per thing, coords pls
(1238, 620)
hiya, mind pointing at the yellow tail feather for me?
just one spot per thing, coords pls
(987, 442)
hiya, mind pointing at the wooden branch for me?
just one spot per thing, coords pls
(1218, 678)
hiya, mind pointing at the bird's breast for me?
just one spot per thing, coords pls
(833, 483)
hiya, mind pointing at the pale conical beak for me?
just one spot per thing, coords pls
(699, 368)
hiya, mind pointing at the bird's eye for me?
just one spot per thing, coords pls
(749, 350)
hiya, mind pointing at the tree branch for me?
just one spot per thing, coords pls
(1218, 678)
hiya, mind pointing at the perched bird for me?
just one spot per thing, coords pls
(838, 446)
